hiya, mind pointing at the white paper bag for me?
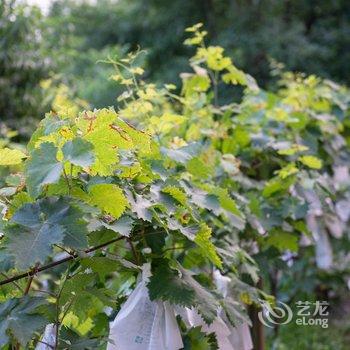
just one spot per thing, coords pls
(49, 338)
(240, 337)
(142, 324)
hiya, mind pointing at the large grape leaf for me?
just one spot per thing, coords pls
(30, 246)
(35, 227)
(19, 317)
(166, 284)
(79, 152)
(6, 260)
(98, 128)
(109, 198)
(42, 168)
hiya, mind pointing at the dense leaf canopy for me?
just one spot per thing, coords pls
(187, 183)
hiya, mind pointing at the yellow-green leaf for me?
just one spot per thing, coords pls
(176, 193)
(109, 198)
(202, 239)
(311, 161)
(11, 156)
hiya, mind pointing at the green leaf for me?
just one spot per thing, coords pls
(165, 284)
(81, 291)
(76, 341)
(202, 239)
(205, 201)
(40, 225)
(198, 168)
(31, 246)
(122, 226)
(295, 148)
(283, 240)
(226, 201)
(140, 205)
(109, 198)
(17, 201)
(11, 156)
(6, 260)
(288, 170)
(78, 152)
(42, 168)
(176, 193)
(20, 318)
(183, 154)
(101, 265)
(276, 185)
(195, 339)
(311, 161)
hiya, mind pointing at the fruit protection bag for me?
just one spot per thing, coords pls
(227, 336)
(142, 324)
(48, 339)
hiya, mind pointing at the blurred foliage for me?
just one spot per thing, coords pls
(22, 64)
(305, 35)
(67, 43)
(293, 337)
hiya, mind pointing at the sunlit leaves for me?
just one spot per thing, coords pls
(165, 123)
(288, 170)
(212, 183)
(109, 198)
(202, 239)
(108, 134)
(197, 167)
(311, 161)
(176, 193)
(11, 156)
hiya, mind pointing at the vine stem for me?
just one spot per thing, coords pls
(136, 257)
(67, 181)
(73, 256)
(15, 283)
